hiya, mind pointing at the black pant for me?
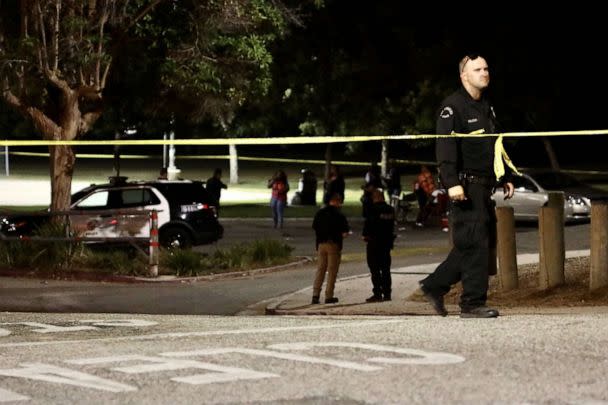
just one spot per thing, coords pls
(379, 262)
(473, 225)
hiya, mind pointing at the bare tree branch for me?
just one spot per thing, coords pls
(47, 127)
(102, 21)
(55, 38)
(41, 31)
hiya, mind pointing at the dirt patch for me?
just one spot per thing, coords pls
(575, 292)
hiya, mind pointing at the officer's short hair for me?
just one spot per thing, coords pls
(463, 62)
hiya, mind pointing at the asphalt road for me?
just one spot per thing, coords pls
(231, 296)
(88, 358)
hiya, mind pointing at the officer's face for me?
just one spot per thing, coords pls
(476, 73)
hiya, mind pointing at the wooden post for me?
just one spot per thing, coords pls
(555, 199)
(507, 251)
(598, 277)
(154, 244)
(552, 247)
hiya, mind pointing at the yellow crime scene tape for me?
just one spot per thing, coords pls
(276, 140)
(226, 157)
(268, 159)
(289, 140)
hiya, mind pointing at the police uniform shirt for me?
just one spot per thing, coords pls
(461, 114)
(380, 224)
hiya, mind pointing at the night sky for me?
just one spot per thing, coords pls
(548, 67)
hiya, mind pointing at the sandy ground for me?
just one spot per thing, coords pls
(575, 292)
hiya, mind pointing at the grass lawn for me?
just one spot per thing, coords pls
(28, 186)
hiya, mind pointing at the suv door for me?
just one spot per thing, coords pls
(115, 223)
(93, 225)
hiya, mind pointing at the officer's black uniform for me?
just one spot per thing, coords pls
(378, 231)
(468, 162)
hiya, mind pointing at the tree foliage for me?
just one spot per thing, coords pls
(202, 59)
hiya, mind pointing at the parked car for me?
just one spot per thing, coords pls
(186, 213)
(531, 193)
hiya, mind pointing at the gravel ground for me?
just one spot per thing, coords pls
(575, 292)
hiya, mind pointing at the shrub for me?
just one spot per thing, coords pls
(121, 260)
(46, 255)
(66, 256)
(182, 262)
(241, 256)
(268, 251)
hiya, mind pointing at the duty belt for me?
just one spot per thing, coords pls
(469, 178)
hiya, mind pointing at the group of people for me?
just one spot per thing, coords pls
(277, 183)
(470, 168)
(331, 227)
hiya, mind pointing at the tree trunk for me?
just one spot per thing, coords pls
(234, 164)
(550, 153)
(384, 157)
(327, 160)
(62, 161)
(62, 158)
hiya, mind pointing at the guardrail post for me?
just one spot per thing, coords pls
(507, 250)
(551, 241)
(154, 244)
(598, 276)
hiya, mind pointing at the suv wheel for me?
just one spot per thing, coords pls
(175, 238)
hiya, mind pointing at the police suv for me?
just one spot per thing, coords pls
(187, 215)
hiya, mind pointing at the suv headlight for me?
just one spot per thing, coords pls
(577, 200)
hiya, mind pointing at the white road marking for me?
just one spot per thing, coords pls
(48, 328)
(8, 396)
(131, 323)
(421, 356)
(157, 364)
(59, 375)
(155, 336)
(268, 353)
(216, 373)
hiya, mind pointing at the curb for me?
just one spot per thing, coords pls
(273, 308)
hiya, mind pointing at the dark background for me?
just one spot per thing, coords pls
(548, 73)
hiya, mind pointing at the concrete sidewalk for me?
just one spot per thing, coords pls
(352, 292)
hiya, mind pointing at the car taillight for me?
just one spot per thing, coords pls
(202, 206)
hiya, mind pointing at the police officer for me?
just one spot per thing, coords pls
(378, 233)
(469, 169)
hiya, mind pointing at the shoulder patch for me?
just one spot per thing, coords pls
(447, 112)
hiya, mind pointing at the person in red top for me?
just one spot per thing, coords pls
(279, 185)
(424, 188)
